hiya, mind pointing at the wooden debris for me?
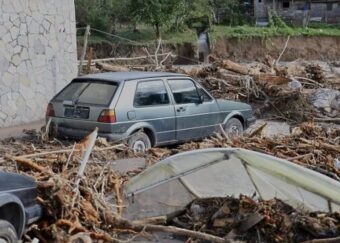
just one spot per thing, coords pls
(111, 68)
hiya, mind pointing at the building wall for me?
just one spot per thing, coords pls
(37, 56)
(260, 9)
(294, 13)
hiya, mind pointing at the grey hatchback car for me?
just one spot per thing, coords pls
(143, 108)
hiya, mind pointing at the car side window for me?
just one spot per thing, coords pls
(203, 93)
(184, 91)
(151, 93)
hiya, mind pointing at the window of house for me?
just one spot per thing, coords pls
(329, 6)
(151, 93)
(285, 4)
(184, 91)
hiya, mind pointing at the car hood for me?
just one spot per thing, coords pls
(12, 181)
(226, 105)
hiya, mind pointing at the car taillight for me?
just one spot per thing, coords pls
(107, 116)
(50, 110)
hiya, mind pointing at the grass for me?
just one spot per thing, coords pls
(250, 31)
(146, 34)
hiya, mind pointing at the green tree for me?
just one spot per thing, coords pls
(188, 11)
(154, 12)
(101, 14)
(231, 12)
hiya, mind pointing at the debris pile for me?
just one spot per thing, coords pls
(280, 90)
(246, 220)
(94, 210)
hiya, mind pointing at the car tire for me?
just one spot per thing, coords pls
(7, 232)
(233, 128)
(139, 142)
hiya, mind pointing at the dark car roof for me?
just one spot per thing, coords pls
(12, 181)
(125, 76)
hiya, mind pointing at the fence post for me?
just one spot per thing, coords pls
(87, 33)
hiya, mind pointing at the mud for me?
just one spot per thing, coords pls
(322, 48)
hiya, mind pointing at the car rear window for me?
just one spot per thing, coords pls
(89, 92)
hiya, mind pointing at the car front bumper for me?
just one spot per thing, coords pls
(250, 121)
(33, 213)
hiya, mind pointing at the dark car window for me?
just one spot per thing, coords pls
(71, 91)
(184, 91)
(206, 96)
(96, 93)
(151, 93)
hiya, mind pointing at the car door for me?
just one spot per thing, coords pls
(152, 105)
(194, 118)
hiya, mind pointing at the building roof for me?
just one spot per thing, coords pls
(125, 76)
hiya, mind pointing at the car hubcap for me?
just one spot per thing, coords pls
(233, 131)
(139, 146)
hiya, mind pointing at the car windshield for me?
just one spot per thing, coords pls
(89, 92)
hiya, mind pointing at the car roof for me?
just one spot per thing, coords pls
(126, 76)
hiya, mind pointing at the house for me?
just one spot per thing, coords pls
(293, 11)
(37, 56)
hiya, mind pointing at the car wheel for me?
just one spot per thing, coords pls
(139, 142)
(7, 232)
(233, 128)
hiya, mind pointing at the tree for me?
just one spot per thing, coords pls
(101, 14)
(187, 11)
(233, 12)
(154, 12)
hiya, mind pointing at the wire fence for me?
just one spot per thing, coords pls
(136, 43)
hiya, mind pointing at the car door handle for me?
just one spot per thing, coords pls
(182, 108)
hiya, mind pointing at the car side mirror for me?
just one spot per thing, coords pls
(201, 99)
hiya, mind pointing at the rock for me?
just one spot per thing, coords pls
(326, 102)
(294, 84)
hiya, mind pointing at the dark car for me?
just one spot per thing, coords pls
(18, 206)
(146, 108)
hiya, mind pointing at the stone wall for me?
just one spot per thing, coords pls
(37, 56)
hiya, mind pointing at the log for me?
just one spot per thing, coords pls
(265, 79)
(126, 224)
(328, 240)
(323, 145)
(235, 67)
(111, 68)
(26, 162)
(153, 220)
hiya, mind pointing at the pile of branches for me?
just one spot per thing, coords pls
(70, 211)
(275, 90)
(92, 209)
(246, 220)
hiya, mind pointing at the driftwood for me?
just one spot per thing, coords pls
(26, 162)
(111, 68)
(237, 68)
(271, 79)
(328, 240)
(126, 224)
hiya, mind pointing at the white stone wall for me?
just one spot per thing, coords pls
(37, 56)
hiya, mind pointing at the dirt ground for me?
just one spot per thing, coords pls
(322, 48)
